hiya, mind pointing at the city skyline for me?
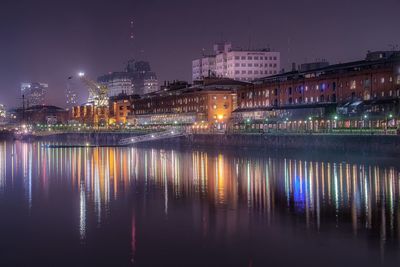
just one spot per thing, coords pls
(49, 42)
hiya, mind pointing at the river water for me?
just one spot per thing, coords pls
(169, 207)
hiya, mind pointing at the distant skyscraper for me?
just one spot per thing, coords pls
(237, 64)
(34, 93)
(70, 97)
(136, 79)
(2, 112)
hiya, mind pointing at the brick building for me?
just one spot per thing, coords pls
(373, 83)
(210, 102)
(120, 109)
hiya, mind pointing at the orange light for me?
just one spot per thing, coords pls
(220, 116)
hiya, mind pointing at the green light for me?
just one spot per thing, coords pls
(336, 117)
(309, 118)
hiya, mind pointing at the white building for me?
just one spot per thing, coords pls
(120, 84)
(150, 84)
(242, 65)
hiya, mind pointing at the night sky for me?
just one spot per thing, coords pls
(49, 40)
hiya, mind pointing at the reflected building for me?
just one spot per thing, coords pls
(222, 190)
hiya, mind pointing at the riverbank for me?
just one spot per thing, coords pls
(388, 145)
(361, 144)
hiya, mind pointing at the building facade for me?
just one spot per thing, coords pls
(247, 65)
(3, 114)
(137, 78)
(373, 83)
(237, 64)
(71, 98)
(120, 109)
(210, 104)
(34, 93)
(40, 114)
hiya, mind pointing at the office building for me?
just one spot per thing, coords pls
(33, 93)
(137, 78)
(209, 103)
(237, 64)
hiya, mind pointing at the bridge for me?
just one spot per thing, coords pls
(153, 137)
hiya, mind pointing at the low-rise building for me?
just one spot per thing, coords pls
(361, 83)
(210, 102)
(40, 114)
(90, 115)
(120, 109)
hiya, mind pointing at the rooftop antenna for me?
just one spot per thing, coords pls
(288, 56)
(131, 37)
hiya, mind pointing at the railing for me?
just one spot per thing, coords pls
(335, 131)
(153, 136)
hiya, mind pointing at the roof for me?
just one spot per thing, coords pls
(215, 85)
(39, 108)
(393, 58)
(297, 106)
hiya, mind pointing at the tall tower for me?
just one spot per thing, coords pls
(131, 39)
(70, 95)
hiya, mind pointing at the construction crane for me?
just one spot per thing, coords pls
(98, 93)
(98, 100)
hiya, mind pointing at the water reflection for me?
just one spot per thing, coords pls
(220, 187)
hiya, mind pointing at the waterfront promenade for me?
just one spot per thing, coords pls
(363, 143)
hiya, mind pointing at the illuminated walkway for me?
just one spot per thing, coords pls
(153, 137)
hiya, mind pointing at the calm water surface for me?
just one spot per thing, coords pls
(164, 207)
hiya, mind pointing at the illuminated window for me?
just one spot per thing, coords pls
(353, 84)
(383, 80)
(215, 107)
